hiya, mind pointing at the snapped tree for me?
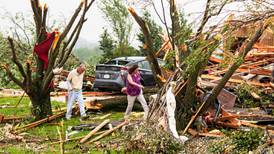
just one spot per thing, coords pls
(156, 32)
(192, 60)
(35, 74)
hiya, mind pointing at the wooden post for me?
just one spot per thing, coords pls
(60, 137)
(94, 131)
(76, 138)
(108, 132)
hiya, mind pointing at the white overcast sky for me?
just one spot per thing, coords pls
(93, 27)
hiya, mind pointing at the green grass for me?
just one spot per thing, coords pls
(23, 108)
(48, 132)
(15, 150)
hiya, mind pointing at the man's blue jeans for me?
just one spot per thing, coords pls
(75, 95)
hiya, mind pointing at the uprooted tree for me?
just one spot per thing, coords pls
(51, 50)
(192, 55)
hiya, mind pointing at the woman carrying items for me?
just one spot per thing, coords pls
(134, 90)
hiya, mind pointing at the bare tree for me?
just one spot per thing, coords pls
(37, 82)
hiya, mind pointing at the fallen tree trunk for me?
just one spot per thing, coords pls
(119, 103)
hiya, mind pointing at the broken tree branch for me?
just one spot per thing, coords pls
(205, 18)
(77, 30)
(15, 59)
(36, 15)
(12, 76)
(70, 23)
(207, 15)
(44, 19)
(148, 46)
(175, 23)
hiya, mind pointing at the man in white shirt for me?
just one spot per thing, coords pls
(75, 83)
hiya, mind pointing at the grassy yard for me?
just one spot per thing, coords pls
(39, 139)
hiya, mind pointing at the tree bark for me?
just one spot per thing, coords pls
(41, 104)
(37, 84)
(189, 103)
(176, 28)
(148, 47)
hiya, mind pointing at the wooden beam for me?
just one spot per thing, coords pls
(108, 132)
(95, 130)
(39, 122)
(212, 77)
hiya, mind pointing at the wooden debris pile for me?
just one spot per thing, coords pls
(256, 70)
(199, 91)
(7, 136)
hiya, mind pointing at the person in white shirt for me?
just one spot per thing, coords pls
(75, 83)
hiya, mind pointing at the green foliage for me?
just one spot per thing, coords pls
(237, 142)
(199, 56)
(155, 32)
(219, 146)
(243, 92)
(107, 46)
(150, 140)
(182, 38)
(71, 63)
(117, 15)
(125, 50)
(169, 60)
(85, 53)
(90, 56)
(185, 30)
(5, 54)
(229, 42)
(246, 140)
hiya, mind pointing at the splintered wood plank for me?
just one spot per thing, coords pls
(212, 77)
(95, 130)
(108, 132)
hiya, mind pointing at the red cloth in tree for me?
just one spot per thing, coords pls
(42, 49)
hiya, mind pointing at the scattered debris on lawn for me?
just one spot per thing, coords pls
(7, 136)
(39, 122)
(4, 119)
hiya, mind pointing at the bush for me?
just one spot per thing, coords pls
(245, 141)
(237, 142)
(149, 139)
